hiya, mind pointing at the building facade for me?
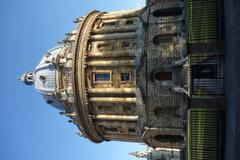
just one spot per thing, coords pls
(159, 154)
(135, 75)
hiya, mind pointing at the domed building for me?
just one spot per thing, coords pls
(45, 77)
(130, 75)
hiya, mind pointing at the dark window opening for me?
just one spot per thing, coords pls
(105, 24)
(102, 77)
(49, 102)
(100, 108)
(105, 109)
(125, 77)
(104, 46)
(127, 108)
(204, 71)
(164, 38)
(157, 111)
(167, 12)
(132, 130)
(42, 78)
(169, 138)
(134, 45)
(163, 76)
(129, 22)
(111, 129)
(126, 44)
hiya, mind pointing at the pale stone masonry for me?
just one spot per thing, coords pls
(121, 75)
(153, 75)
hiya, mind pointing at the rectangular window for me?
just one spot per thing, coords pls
(102, 77)
(132, 130)
(126, 108)
(110, 23)
(105, 46)
(129, 22)
(111, 129)
(105, 109)
(204, 71)
(126, 77)
(125, 44)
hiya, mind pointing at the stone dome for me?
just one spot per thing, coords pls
(44, 77)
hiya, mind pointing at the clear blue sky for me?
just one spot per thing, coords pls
(29, 128)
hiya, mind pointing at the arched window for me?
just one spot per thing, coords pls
(163, 76)
(163, 38)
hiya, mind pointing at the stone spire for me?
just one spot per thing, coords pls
(139, 154)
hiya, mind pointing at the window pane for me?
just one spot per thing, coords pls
(125, 76)
(102, 77)
(126, 44)
(203, 71)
